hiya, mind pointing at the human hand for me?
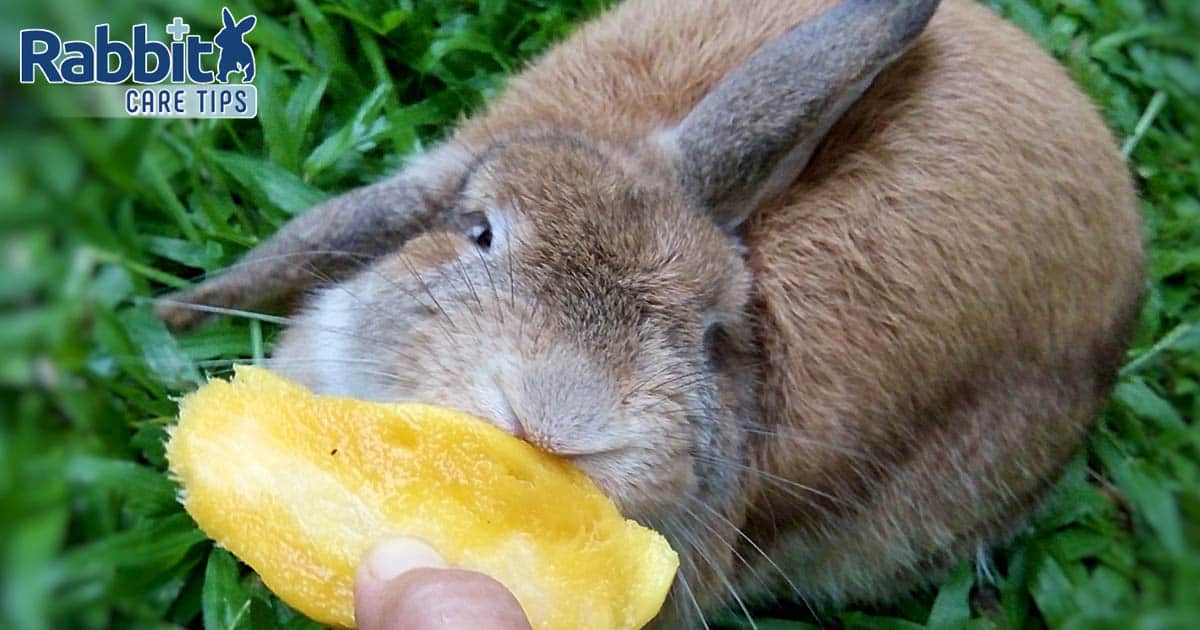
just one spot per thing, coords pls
(403, 584)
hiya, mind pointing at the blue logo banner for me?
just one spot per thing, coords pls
(188, 77)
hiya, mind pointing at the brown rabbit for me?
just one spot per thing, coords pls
(828, 301)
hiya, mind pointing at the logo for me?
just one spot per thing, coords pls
(169, 80)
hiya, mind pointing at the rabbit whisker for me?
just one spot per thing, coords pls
(746, 537)
(717, 570)
(682, 575)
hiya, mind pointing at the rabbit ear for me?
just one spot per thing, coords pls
(328, 242)
(246, 24)
(753, 134)
(227, 18)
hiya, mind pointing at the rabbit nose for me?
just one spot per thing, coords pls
(497, 404)
(516, 424)
(558, 402)
(515, 419)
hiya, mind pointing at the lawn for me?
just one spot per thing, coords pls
(97, 216)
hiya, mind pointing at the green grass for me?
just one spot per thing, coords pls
(97, 215)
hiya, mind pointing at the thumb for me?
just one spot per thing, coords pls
(403, 584)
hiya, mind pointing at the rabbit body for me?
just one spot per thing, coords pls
(940, 300)
(836, 387)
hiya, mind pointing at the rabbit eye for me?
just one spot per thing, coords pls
(481, 233)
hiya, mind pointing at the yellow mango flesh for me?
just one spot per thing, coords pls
(300, 486)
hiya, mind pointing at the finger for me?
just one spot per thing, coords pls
(382, 564)
(447, 599)
(398, 586)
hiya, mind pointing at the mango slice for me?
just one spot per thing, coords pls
(300, 486)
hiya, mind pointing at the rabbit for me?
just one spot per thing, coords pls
(235, 54)
(828, 292)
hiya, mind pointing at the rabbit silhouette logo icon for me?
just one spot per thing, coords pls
(235, 54)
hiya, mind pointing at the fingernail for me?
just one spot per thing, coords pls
(390, 558)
